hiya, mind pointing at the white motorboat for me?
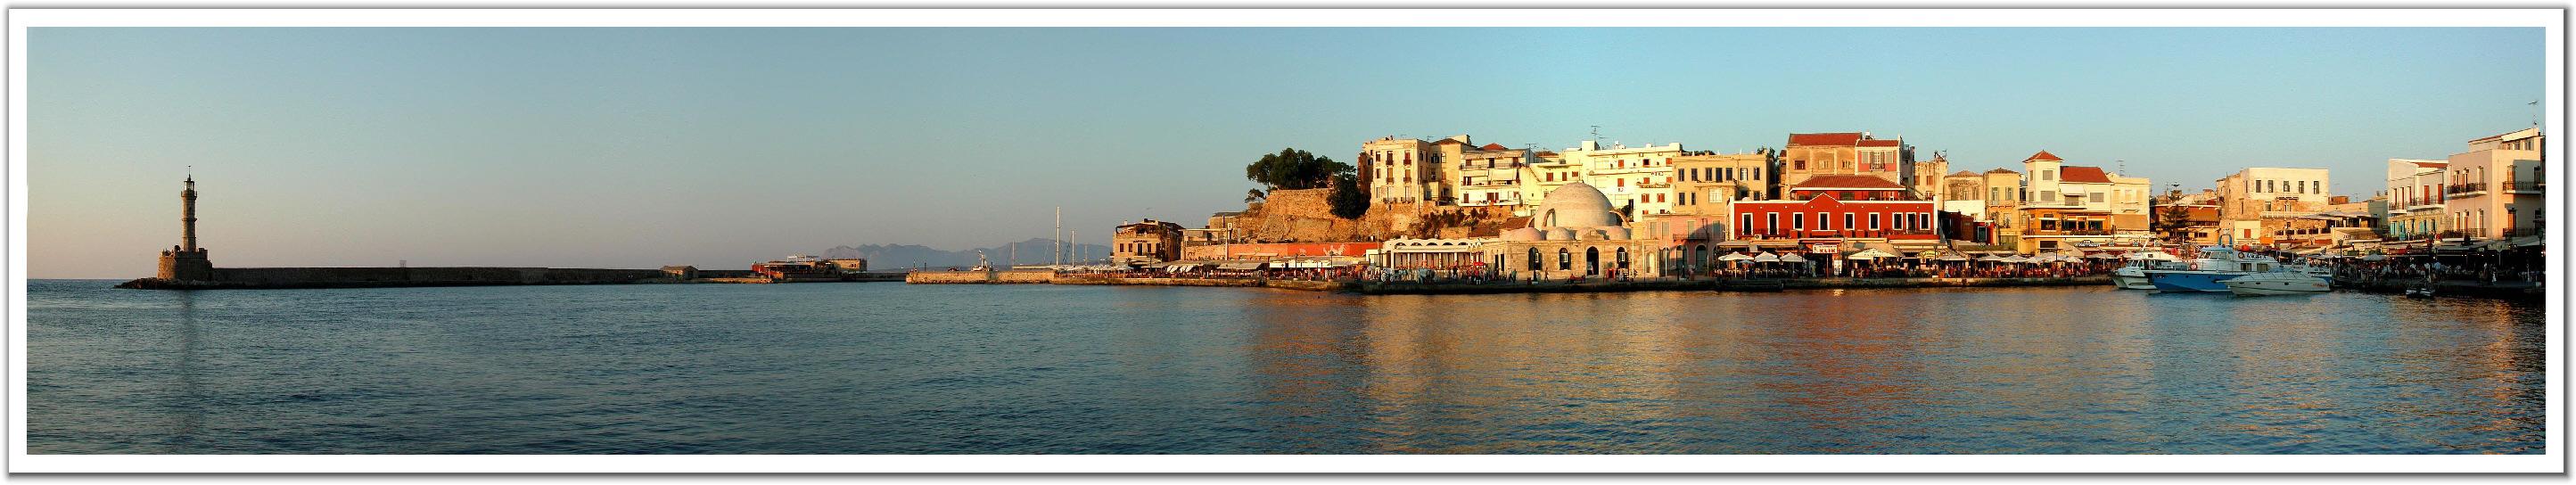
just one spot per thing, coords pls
(2215, 265)
(2133, 276)
(2277, 283)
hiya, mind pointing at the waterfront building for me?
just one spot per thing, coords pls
(2415, 193)
(1485, 176)
(1705, 187)
(1401, 171)
(2072, 206)
(2252, 194)
(1145, 242)
(1637, 180)
(1811, 155)
(2495, 188)
(1964, 193)
(1927, 177)
(2004, 196)
(848, 265)
(1443, 254)
(1830, 213)
(1574, 234)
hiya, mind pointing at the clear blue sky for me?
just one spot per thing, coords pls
(719, 147)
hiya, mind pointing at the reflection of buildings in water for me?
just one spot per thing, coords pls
(1305, 367)
(1851, 368)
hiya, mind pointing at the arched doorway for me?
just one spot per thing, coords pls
(1564, 260)
(1535, 263)
(1623, 260)
(1592, 261)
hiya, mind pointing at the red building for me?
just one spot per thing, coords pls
(1840, 207)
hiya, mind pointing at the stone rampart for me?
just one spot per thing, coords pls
(254, 278)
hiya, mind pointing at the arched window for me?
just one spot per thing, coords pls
(1623, 259)
(1564, 259)
(1591, 261)
(1534, 262)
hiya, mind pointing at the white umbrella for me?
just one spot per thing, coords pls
(1734, 257)
(1871, 253)
(1994, 258)
(1766, 258)
(1953, 257)
(2016, 259)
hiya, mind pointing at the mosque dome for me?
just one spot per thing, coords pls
(1559, 234)
(1522, 234)
(1616, 233)
(1575, 205)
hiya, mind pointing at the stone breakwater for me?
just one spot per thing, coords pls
(287, 278)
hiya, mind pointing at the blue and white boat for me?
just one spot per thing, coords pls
(2215, 265)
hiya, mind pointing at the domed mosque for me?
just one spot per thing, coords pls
(1575, 211)
(1575, 233)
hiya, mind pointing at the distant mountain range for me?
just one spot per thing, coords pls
(898, 256)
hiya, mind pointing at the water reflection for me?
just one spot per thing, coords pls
(1902, 371)
(187, 401)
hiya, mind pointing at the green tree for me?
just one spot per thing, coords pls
(1350, 201)
(1254, 196)
(1294, 169)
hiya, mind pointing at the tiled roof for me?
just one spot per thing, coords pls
(1881, 143)
(1445, 141)
(1492, 146)
(2002, 170)
(1846, 182)
(2085, 174)
(1829, 139)
(2043, 155)
(2432, 164)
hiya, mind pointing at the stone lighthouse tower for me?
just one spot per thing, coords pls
(187, 262)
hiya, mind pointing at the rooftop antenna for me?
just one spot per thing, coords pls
(1596, 135)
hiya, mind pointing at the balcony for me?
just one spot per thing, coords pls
(2471, 189)
(2510, 186)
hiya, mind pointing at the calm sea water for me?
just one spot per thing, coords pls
(894, 368)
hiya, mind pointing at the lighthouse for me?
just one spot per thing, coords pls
(186, 261)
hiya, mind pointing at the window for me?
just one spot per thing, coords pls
(1534, 261)
(1747, 224)
(2047, 196)
(1775, 222)
(1799, 164)
(1847, 219)
(1873, 221)
(1798, 221)
(1822, 221)
(1623, 258)
(2048, 175)
(1564, 259)
(2098, 197)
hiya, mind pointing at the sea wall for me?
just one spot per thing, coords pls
(253, 278)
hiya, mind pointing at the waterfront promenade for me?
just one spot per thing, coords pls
(1499, 286)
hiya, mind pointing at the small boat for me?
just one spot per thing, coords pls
(2276, 283)
(2419, 292)
(2133, 276)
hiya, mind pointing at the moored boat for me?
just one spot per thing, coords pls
(2133, 276)
(2277, 283)
(2206, 273)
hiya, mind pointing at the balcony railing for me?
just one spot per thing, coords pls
(2513, 186)
(2466, 188)
(2523, 232)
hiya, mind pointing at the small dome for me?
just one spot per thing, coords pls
(1575, 205)
(1560, 234)
(1522, 234)
(1618, 233)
